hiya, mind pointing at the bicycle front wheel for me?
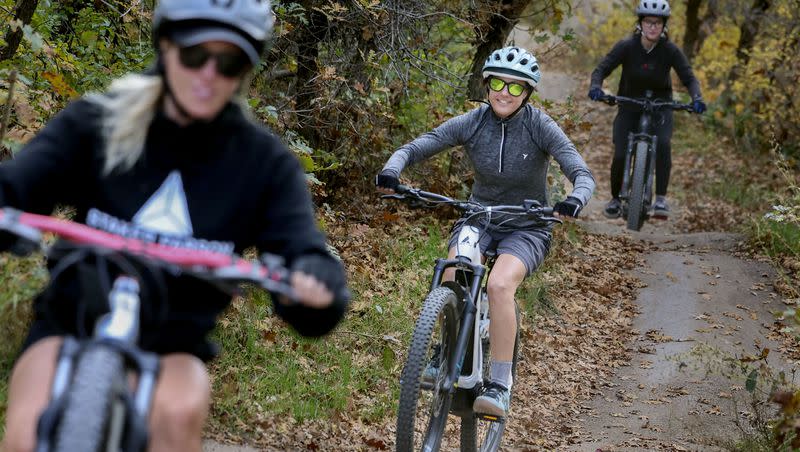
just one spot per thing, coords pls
(484, 435)
(84, 420)
(424, 405)
(637, 207)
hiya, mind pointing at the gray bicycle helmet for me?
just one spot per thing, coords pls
(244, 23)
(659, 8)
(513, 62)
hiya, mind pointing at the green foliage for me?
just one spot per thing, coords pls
(267, 370)
(762, 101)
(20, 279)
(778, 231)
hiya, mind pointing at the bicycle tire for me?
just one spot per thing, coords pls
(479, 435)
(439, 309)
(86, 413)
(636, 206)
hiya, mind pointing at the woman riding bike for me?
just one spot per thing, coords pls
(171, 156)
(646, 59)
(509, 144)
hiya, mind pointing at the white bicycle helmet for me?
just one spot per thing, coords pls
(244, 23)
(515, 63)
(659, 8)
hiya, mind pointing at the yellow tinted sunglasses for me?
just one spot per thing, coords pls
(514, 88)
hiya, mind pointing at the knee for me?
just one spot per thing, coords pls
(500, 288)
(180, 410)
(185, 411)
(14, 442)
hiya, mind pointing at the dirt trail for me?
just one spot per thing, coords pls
(702, 304)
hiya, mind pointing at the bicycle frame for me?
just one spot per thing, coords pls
(638, 179)
(118, 330)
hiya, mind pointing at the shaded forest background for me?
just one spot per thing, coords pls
(345, 82)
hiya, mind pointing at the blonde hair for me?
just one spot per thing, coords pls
(129, 107)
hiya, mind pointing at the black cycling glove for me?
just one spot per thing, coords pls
(313, 322)
(570, 207)
(385, 180)
(595, 93)
(16, 244)
(327, 270)
(698, 106)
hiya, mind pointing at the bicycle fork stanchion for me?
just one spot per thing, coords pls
(466, 325)
(67, 355)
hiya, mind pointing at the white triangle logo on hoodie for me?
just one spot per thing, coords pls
(167, 211)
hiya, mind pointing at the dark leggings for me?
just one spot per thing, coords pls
(660, 125)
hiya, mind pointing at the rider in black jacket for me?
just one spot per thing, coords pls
(646, 58)
(171, 157)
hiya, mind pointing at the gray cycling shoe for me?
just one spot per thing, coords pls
(494, 400)
(661, 210)
(613, 208)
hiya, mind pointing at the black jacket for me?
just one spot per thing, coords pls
(642, 71)
(229, 184)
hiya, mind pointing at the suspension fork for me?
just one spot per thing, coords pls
(465, 328)
(633, 138)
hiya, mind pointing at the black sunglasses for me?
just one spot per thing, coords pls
(228, 64)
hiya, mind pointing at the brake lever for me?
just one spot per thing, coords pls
(552, 220)
(394, 196)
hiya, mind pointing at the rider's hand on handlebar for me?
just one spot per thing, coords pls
(595, 93)
(16, 245)
(386, 183)
(569, 207)
(317, 281)
(698, 106)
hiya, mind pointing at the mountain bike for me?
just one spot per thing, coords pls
(93, 407)
(451, 335)
(636, 193)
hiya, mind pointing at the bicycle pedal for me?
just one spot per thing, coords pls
(490, 417)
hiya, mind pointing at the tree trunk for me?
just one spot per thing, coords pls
(308, 39)
(498, 28)
(23, 12)
(749, 31)
(692, 28)
(707, 24)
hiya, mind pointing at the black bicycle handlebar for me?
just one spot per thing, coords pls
(645, 103)
(530, 208)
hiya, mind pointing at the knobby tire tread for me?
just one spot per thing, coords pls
(441, 300)
(636, 205)
(84, 420)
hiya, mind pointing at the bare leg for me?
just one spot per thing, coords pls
(29, 394)
(180, 406)
(506, 275)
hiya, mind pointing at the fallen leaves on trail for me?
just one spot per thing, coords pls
(565, 359)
